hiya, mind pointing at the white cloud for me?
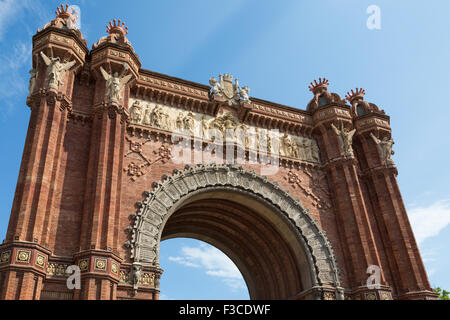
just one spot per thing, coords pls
(8, 12)
(12, 66)
(428, 221)
(215, 263)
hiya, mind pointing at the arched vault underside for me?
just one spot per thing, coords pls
(279, 248)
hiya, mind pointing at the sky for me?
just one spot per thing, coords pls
(276, 48)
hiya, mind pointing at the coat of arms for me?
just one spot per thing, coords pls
(226, 89)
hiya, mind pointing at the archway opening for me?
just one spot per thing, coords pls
(261, 242)
(195, 270)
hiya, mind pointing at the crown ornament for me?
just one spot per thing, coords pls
(63, 11)
(322, 83)
(227, 77)
(358, 94)
(117, 27)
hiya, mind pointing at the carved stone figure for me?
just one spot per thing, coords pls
(305, 149)
(224, 88)
(242, 137)
(295, 149)
(315, 151)
(115, 83)
(189, 122)
(136, 112)
(156, 118)
(32, 82)
(384, 149)
(244, 94)
(345, 137)
(224, 122)
(137, 274)
(205, 128)
(287, 145)
(179, 121)
(147, 115)
(56, 71)
(216, 87)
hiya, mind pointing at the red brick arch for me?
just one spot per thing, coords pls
(279, 248)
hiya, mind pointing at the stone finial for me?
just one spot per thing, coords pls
(116, 34)
(117, 27)
(64, 13)
(358, 94)
(318, 85)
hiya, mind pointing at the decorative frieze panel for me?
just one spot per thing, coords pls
(146, 279)
(224, 127)
(57, 269)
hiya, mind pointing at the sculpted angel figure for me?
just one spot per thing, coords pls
(56, 70)
(345, 137)
(115, 83)
(384, 149)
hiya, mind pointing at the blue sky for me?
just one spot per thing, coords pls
(276, 48)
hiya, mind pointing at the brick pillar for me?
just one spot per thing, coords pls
(355, 230)
(30, 215)
(10, 284)
(409, 277)
(102, 198)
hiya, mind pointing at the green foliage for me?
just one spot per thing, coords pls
(443, 294)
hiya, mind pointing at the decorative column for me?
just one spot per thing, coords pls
(334, 131)
(58, 52)
(114, 64)
(407, 272)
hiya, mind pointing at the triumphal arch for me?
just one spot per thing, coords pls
(118, 158)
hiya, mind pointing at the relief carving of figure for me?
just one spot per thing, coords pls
(179, 121)
(32, 82)
(305, 149)
(315, 151)
(115, 83)
(56, 70)
(189, 122)
(345, 137)
(147, 115)
(156, 118)
(136, 112)
(137, 274)
(295, 149)
(287, 145)
(384, 149)
(205, 128)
